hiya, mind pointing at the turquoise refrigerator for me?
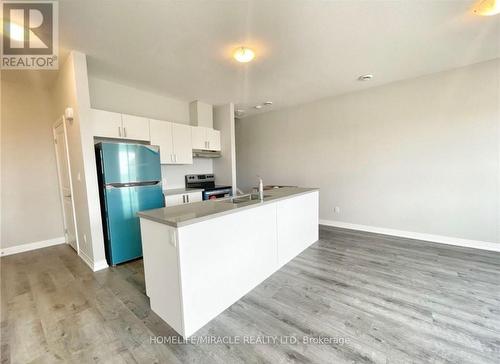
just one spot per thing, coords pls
(129, 181)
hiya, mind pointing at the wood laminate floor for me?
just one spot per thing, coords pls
(392, 300)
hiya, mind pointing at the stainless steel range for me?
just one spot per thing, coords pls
(207, 182)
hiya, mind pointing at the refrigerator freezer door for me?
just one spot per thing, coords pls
(123, 240)
(125, 163)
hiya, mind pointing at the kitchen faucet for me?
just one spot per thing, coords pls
(261, 189)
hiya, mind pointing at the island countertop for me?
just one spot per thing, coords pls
(182, 215)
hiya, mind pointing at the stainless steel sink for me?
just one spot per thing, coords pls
(244, 198)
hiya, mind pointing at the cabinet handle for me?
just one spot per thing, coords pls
(183, 198)
(175, 157)
(187, 196)
(209, 144)
(120, 131)
(171, 157)
(124, 132)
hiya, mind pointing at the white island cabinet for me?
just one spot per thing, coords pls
(202, 257)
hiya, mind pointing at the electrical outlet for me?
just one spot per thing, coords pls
(336, 209)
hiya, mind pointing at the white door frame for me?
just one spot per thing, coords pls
(62, 120)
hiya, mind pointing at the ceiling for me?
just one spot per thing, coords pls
(305, 50)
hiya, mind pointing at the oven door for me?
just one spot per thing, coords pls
(217, 193)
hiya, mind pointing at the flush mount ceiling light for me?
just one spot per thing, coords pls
(267, 103)
(243, 54)
(487, 7)
(365, 78)
(258, 107)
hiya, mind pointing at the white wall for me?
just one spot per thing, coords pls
(225, 166)
(420, 155)
(112, 96)
(30, 203)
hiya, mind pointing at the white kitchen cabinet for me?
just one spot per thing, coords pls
(199, 137)
(106, 124)
(205, 138)
(182, 198)
(109, 124)
(174, 141)
(173, 200)
(213, 139)
(194, 197)
(198, 269)
(161, 135)
(182, 145)
(294, 229)
(135, 127)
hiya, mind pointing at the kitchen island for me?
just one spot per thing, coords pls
(202, 257)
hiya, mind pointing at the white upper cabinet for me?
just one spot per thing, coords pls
(205, 138)
(182, 145)
(213, 139)
(174, 141)
(199, 137)
(106, 124)
(135, 127)
(161, 135)
(201, 114)
(114, 125)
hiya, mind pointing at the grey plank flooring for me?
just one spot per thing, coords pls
(392, 300)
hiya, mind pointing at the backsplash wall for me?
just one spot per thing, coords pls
(173, 175)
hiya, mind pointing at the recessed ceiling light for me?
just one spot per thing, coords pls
(488, 8)
(267, 103)
(365, 78)
(243, 54)
(240, 111)
(258, 107)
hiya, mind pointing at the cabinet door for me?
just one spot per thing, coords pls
(173, 200)
(213, 139)
(181, 139)
(106, 124)
(199, 137)
(161, 135)
(194, 197)
(135, 127)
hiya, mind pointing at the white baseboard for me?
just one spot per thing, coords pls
(31, 246)
(101, 264)
(477, 244)
(95, 266)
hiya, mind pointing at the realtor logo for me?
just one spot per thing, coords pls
(29, 35)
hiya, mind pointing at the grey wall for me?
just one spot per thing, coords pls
(30, 203)
(420, 155)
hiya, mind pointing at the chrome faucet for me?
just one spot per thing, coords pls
(261, 189)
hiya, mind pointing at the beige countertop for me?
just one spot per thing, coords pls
(182, 215)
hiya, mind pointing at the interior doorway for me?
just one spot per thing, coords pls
(65, 186)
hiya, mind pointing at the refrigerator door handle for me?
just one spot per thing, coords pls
(132, 184)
